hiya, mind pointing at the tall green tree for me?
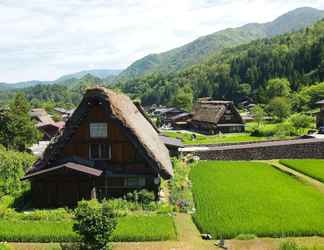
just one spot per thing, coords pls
(17, 130)
(258, 113)
(277, 87)
(183, 98)
(279, 108)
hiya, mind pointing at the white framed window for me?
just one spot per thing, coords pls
(98, 130)
(135, 181)
(100, 151)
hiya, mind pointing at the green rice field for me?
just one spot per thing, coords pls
(233, 198)
(144, 228)
(312, 168)
(129, 228)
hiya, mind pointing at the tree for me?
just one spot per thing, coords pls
(183, 98)
(279, 107)
(258, 113)
(277, 87)
(17, 131)
(95, 223)
(301, 122)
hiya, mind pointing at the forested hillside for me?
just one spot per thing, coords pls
(241, 73)
(67, 94)
(196, 51)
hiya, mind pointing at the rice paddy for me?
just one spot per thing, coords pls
(235, 198)
(129, 228)
(312, 168)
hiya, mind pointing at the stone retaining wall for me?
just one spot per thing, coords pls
(296, 149)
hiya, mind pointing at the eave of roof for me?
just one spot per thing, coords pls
(70, 165)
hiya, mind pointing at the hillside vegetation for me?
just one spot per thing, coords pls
(196, 51)
(244, 72)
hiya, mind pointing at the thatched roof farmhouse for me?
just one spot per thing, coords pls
(107, 148)
(216, 116)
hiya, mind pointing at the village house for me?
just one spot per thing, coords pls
(164, 114)
(107, 149)
(320, 117)
(212, 117)
(45, 124)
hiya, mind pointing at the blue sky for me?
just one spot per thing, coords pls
(44, 39)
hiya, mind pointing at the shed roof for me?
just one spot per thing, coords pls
(70, 165)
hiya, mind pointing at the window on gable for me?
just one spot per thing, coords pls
(100, 151)
(98, 130)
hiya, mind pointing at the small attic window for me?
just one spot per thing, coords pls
(98, 130)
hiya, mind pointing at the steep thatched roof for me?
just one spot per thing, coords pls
(125, 114)
(210, 111)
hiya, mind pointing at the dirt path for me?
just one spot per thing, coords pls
(306, 179)
(188, 234)
(273, 243)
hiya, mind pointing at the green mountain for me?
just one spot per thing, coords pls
(198, 50)
(241, 73)
(100, 73)
(105, 74)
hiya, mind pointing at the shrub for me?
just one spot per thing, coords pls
(12, 167)
(180, 185)
(94, 223)
(4, 246)
(143, 196)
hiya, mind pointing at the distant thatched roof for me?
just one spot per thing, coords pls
(210, 111)
(125, 114)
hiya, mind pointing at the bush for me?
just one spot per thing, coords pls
(12, 167)
(180, 185)
(4, 246)
(95, 223)
(143, 196)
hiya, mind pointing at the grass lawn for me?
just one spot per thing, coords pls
(129, 228)
(235, 198)
(312, 168)
(186, 138)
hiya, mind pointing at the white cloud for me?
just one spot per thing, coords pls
(43, 39)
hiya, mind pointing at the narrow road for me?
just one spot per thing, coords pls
(188, 234)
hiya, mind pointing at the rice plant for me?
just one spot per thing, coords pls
(235, 198)
(312, 168)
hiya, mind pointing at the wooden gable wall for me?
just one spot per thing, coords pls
(122, 150)
(231, 116)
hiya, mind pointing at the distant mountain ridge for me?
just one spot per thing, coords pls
(100, 73)
(65, 79)
(198, 50)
